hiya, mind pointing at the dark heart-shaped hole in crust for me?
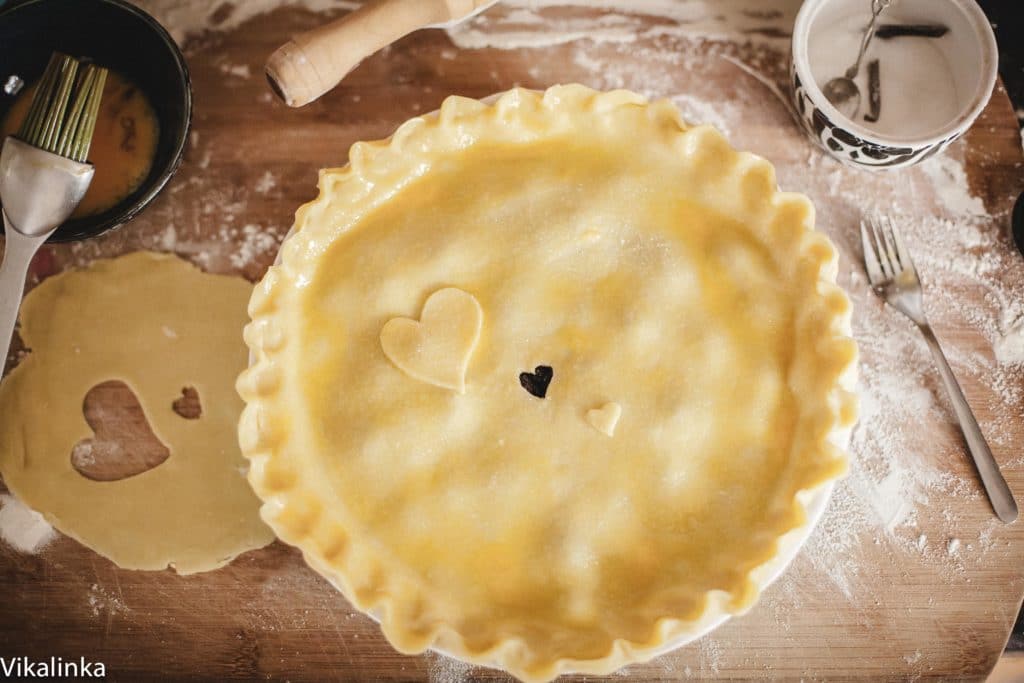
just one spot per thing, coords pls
(537, 382)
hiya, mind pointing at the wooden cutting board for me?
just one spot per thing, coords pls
(864, 605)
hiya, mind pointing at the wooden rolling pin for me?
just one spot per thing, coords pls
(313, 63)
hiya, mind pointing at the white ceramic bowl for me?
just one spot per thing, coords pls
(947, 97)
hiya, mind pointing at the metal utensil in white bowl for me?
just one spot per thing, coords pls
(842, 91)
(43, 172)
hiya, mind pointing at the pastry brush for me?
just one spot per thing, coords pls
(43, 171)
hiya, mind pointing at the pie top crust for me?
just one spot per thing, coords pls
(698, 349)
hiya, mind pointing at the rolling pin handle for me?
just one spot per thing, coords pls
(292, 77)
(313, 63)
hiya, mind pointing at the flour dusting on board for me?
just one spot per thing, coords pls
(529, 23)
(891, 478)
(542, 23)
(182, 18)
(1010, 346)
(950, 182)
(443, 669)
(104, 602)
(23, 528)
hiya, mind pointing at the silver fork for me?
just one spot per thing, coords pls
(894, 278)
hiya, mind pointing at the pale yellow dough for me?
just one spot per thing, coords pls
(158, 324)
(436, 349)
(654, 269)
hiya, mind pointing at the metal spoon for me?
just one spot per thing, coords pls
(842, 91)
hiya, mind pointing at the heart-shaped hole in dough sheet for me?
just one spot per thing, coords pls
(188, 406)
(436, 348)
(123, 444)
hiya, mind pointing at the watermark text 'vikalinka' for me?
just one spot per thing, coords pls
(54, 667)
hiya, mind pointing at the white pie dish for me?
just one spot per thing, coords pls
(784, 547)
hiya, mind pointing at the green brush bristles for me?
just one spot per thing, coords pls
(52, 124)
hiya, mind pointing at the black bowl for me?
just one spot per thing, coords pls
(123, 38)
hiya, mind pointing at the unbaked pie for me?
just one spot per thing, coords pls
(538, 382)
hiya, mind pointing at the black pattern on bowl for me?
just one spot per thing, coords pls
(847, 147)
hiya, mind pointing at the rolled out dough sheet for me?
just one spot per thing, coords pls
(159, 325)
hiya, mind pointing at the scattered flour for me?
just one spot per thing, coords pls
(182, 18)
(255, 241)
(169, 238)
(530, 23)
(443, 669)
(949, 181)
(102, 601)
(1009, 347)
(892, 480)
(236, 70)
(23, 528)
(710, 653)
(266, 183)
(518, 24)
(482, 33)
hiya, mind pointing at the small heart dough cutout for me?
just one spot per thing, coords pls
(605, 418)
(436, 349)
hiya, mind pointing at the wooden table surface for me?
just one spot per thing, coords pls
(252, 161)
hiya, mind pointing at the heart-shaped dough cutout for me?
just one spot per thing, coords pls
(436, 349)
(605, 418)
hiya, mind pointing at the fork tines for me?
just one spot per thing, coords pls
(885, 255)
